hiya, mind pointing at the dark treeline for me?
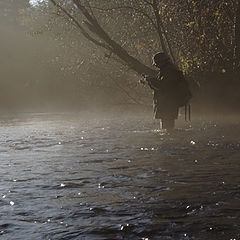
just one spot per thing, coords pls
(105, 46)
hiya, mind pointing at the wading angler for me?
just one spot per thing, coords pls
(170, 91)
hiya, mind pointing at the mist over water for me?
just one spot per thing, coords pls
(72, 177)
(27, 77)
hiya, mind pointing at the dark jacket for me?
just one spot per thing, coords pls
(170, 90)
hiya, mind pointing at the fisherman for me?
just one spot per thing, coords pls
(170, 91)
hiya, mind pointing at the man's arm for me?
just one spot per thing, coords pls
(152, 82)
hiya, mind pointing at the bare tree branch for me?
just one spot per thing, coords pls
(116, 48)
(79, 26)
(109, 44)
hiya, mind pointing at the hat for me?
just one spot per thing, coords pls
(159, 57)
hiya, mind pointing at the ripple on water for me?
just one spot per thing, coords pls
(118, 180)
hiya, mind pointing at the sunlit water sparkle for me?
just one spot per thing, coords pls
(36, 3)
(70, 178)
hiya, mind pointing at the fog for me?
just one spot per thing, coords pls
(23, 64)
(57, 68)
(35, 75)
(31, 78)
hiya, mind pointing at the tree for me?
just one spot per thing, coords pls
(202, 37)
(92, 30)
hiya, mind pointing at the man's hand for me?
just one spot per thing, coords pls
(146, 79)
(143, 79)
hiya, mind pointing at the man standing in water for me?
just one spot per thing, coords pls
(170, 91)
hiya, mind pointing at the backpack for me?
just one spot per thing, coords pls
(183, 93)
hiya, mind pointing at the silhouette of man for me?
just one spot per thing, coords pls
(170, 91)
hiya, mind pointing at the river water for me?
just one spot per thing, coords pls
(79, 178)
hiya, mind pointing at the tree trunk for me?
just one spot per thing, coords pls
(161, 32)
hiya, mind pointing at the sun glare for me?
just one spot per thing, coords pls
(35, 3)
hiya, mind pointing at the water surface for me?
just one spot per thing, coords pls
(78, 178)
